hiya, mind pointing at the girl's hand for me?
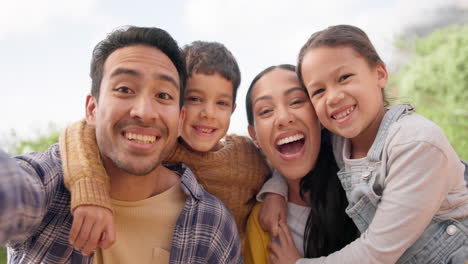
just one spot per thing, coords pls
(93, 226)
(283, 252)
(272, 211)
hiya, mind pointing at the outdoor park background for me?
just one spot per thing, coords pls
(46, 51)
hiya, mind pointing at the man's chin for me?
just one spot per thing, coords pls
(138, 169)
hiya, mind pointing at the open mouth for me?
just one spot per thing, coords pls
(140, 139)
(343, 114)
(290, 145)
(204, 130)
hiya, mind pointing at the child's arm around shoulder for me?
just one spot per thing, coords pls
(87, 180)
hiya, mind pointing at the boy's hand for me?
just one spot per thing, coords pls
(272, 211)
(93, 226)
(283, 252)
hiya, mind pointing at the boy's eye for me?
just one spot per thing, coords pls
(193, 99)
(164, 96)
(344, 77)
(223, 103)
(123, 89)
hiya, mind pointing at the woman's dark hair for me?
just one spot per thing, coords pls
(342, 35)
(328, 227)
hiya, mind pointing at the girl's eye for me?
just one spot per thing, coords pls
(164, 96)
(123, 89)
(344, 77)
(318, 91)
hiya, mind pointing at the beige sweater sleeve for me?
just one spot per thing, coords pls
(83, 172)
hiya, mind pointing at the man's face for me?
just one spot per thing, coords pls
(137, 114)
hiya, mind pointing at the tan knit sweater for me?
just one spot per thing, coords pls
(234, 174)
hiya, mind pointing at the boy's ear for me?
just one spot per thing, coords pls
(91, 105)
(181, 121)
(253, 135)
(382, 75)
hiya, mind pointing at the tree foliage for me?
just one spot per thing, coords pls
(436, 81)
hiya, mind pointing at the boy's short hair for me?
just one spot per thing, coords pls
(212, 57)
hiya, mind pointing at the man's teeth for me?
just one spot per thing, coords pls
(344, 113)
(290, 139)
(145, 139)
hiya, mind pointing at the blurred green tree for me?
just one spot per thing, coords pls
(435, 81)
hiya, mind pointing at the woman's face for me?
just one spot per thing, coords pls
(285, 128)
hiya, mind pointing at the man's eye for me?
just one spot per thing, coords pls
(164, 96)
(123, 89)
(297, 101)
(344, 77)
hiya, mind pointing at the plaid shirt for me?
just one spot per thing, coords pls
(35, 217)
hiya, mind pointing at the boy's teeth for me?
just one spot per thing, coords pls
(290, 139)
(145, 139)
(205, 130)
(344, 113)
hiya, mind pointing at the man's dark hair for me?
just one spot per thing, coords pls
(130, 36)
(210, 58)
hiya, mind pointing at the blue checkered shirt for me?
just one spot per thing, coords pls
(35, 217)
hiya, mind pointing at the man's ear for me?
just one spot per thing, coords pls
(382, 75)
(233, 108)
(181, 121)
(253, 135)
(91, 104)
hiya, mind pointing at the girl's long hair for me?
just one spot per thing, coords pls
(328, 228)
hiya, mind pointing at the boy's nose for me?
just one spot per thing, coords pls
(208, 111)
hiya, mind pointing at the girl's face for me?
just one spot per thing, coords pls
(345, 91)
(285, 128)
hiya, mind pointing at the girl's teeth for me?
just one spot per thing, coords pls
(290, 139)
(344, 113)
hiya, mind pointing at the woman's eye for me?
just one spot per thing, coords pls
(164, 96)
(344, 77)
(264, 112)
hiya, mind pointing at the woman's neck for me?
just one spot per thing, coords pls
(294, 192)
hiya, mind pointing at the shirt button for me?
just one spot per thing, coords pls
(451, 230)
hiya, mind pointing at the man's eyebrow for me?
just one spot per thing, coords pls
(122, 71)
(165, 77)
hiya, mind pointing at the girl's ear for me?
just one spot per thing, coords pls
(382, 75)
(253, 135)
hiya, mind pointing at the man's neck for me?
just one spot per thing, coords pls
(128, 187)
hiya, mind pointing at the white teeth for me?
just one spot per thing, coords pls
(344, 113)
(145, 139)
(289, 139)
(205, 130)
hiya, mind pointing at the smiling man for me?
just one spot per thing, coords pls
(162, 215)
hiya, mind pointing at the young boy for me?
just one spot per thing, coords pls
(230, 167)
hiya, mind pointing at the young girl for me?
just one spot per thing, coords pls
(283, 124)
(404, 182)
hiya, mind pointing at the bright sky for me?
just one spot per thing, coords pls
(46, 44)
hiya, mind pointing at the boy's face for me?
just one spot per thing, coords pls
(209, 105)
